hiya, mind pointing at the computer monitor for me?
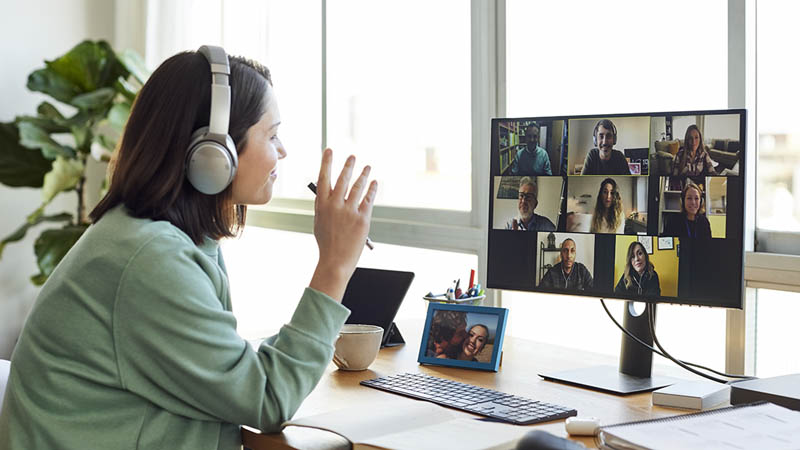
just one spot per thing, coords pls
(639, 207)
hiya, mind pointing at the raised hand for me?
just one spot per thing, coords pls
(341, 224)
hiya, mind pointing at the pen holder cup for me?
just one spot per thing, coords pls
(472, 301)
(357, 346)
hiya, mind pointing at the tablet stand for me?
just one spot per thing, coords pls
(393, 337)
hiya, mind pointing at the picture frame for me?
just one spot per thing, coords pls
(452, 332)
(647, 243)
(666, 243)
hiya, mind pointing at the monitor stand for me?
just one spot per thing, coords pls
(635, 363)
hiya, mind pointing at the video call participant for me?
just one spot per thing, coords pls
(132, 341)
(607, 215)
(604, 159)
(691, 222)
(692, 159)
(532, 159)
(568, 274)
(528, 201)
(639, 277)
(477, 335)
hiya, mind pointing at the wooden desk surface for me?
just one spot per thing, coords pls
(522, 361)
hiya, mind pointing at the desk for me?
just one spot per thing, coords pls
(522, 361)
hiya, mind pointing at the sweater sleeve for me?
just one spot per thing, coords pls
(176, 345)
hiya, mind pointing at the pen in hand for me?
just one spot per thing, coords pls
(313, 188)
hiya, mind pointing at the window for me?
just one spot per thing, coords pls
(268, 270)
(777, 93)
(584, 57)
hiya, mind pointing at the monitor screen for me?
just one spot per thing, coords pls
(645, 206)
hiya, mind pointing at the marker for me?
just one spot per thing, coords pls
(313, 188)
(471, 278)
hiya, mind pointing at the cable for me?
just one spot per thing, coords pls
(651, 321)
(664, 354)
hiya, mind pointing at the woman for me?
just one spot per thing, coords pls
(131, 342)
(692, 221)
(639, 277)
(474, 343)
(607, 216)
(692, 159)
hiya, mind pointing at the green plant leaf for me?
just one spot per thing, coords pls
(20, 232)
(89, 65)
(134, 63)
(45, 124)
(20, 166)
(65, 175)
(53, 84)
(126, 88)
(99, 98)
(32, 136)
(51, 246)
(47, 110)
(118, 116)
(83, 138)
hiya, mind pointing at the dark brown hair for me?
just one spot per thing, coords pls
(648, 266)
(612, 215)
(147, 170)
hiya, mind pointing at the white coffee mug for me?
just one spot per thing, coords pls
(357, 346)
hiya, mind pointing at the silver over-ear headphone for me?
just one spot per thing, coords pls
(211, 159)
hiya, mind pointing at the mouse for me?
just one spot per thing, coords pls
(542, 440)
(582, 426)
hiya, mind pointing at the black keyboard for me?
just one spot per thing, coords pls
(469, 398)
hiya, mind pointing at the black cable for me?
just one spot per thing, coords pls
(656, 351)
(651, 320)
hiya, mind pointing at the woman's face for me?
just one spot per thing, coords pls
(474, 342)
(258, 159)
(694, 140)
(607, 195)
(692, 201)
(639, 259)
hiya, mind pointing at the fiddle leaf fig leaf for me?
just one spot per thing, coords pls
(118, 116)
(20, 232)
(65, 175)
(47, 110)
(134, 63)
(94, 100)
(89, 65)
(52, 246)
(53, 84)
(20, 166)
(32, 136)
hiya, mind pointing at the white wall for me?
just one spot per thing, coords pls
(632, 132)
(32, 31)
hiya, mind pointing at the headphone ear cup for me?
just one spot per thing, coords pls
(210, 164)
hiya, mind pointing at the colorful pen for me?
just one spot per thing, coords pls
(313, 188)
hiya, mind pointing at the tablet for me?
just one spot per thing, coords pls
(373, 297)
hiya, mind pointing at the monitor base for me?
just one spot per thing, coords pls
(609, 379)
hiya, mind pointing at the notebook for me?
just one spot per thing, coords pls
(756, 426)
(373, 297)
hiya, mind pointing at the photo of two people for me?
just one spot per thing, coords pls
(461, 335)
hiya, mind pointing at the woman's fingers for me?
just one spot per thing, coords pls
(324, 180)
(344, 178)
(358, 187)
(366, 204)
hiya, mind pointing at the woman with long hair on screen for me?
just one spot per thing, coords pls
(477, 335)
(132, 342)
(607, 215)
(692, 160)
(692, 221)
(639, 277)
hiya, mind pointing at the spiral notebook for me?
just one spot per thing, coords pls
(756, 425)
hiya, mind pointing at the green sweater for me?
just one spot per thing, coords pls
(132, 345)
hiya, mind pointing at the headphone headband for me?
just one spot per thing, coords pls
(219, 116)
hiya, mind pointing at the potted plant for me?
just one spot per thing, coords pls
(95, 87)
